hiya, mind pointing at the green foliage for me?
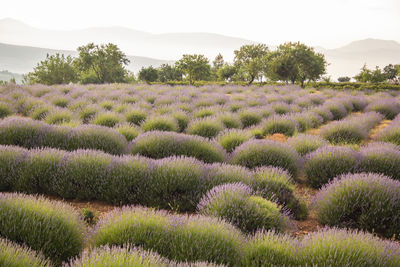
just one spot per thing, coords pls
(88, 215)
(250, 60)
(129, 131)
(53, 228)
(236, 204)
(14, 255)
(148, 74)
(206, 127)
(160, 123)
(177, 237)
(168, 73)
(373, 76)
(305, 143)
(195, 67)
(249, 117)
(233, 138)
(344, 79)
(5, 110)
(101, 63)
(55, 69)
(165, 144)
(296, 62)
(107, 119)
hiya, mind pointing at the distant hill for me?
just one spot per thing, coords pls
(6, 76)
(22, 59)
(349, 59)
(165, 46)
(20, 49)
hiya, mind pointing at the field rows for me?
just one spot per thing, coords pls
(199, 176)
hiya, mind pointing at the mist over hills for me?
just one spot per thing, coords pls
(22, 46)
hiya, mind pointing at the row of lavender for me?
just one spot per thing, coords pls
(53, 234)
(203, 111)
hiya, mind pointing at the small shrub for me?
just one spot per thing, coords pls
(337, 109)
(53, 228)
(232, 138)
(271, 249)
(176, 183)
(365, 201)
(236, 204)
(257, 153)
(204, 112)
(335, 247)
(387, 107)
(158, 144)
(230, 120)
(177, 237)
(12, 254)
(10, 164)
(87, 114)
(136, 116)
(218, 174)
(182, 118)
(107, 119)
(275, 184)
(160, 123)
(60, 102)
(391, 133)
(306, 143)
(59, 117)
(249, 117)
(128, 131)
(327, 162)
(344, 132)
(325, 113)
(381, 158)
(5, 110)
(279, 124)
(88, 215)
(207, 127)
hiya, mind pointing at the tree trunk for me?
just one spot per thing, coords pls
(251, 80)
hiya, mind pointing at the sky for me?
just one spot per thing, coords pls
(326, 23)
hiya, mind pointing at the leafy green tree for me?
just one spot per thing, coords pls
(55, 69)
(195, 67)
(167, 73)
(148, 74)
(392, 72)
(250, 59)
(296, 62)
(101, 63)
(378, 76)
(364, 76)
(344, 79)
(218, 63)
(226, 73)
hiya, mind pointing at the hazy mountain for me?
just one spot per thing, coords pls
(344, 61)
(349, 59)
(22, 59)
(165, 46)
(7, 76)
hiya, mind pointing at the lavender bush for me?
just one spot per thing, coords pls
(53, 228)
(158, 144)
(306, 143)
(365, 201)
(280, 124)
(327, 162)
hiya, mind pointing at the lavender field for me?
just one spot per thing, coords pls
(155, 175)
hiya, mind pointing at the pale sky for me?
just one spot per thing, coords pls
(327, 23)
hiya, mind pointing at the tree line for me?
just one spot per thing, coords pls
(291, 62)
(106, 63)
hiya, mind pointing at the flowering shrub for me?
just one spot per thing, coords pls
(53, 228)
(381, 158)
(232, 138)
(327, 162)
(135, 116)
(158, 144)
(236, 204)
(160, 123)
(280, 124)
(177, 237)
(387, 107)
(365, 201)
(12, 254)
(257, 153)
(306, 143)
(206, 127)
(249, 117)
(391, 133)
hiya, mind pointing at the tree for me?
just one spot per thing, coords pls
(148, 74)
(251, 60)
(167, 73)
(364, 76)
(392, 72)
(378, 76)
(226, 72)
(101, 63)
(344, 79)
(195, 67)
(55, 69)
(296, 62)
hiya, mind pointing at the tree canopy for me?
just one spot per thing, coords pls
(250, 60)
(195, 67)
